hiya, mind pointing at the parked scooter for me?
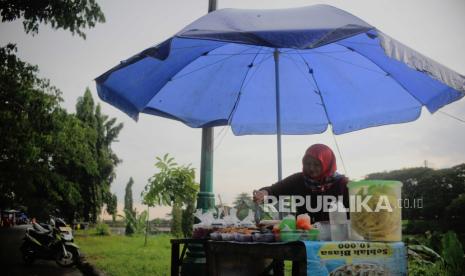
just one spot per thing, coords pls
(48, 242)
(60, 224)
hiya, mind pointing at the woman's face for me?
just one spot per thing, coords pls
(311, 166)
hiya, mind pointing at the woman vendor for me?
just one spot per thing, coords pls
(318, 178)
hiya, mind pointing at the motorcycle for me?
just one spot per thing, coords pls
(65, 230)
(49, 242)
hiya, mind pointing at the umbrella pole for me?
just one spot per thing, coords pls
(205, 197)
(278, 114)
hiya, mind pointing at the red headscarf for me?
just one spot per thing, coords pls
(326, 157)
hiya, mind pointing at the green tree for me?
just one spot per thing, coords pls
(454, 215)
(188, 217)
(45, 155)
(173, 185)
(27, 109)
(72, 15)
(95, 186)
(72, 160)
(176, 220)
(128, 196)
(128, 208)
(112, 206)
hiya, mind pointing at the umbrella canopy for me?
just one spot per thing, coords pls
(335, 69)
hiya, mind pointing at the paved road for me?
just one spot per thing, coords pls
(11, 262)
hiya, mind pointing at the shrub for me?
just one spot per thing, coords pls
(102, 229)
(452, 252)
(421, 226)
(416, 268)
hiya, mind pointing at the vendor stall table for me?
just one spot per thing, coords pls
(254, 258)
(230, 258)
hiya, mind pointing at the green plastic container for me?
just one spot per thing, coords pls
(288, 223)
(299, 235)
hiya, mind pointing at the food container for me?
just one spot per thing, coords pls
(240, 237)
(227, 236)
(263, 237)
(339, 232)
(325, 230)
(216, 236)
(381, 221)
(299, 235)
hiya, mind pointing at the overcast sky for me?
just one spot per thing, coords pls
(241, 164)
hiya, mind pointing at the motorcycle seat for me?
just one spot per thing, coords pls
(40, 230)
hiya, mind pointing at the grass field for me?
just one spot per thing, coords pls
(121, 255)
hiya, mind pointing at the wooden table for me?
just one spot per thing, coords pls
(239, 258)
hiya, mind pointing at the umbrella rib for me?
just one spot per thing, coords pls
(171, 79)
(175, 78)
(388, 74)
(345, 61)
(382, 74)
(258, 65)
(313, 51)
(236, 54)
(208, 65)
(318, 88)
(191, 47)
(303, 74)
(242, 86)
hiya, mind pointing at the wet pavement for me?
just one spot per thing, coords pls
(11, 262)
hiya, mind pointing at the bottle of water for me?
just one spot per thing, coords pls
(339, 225)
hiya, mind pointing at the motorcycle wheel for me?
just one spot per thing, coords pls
(73, 257)
(28, 253)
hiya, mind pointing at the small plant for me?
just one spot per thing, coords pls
(135, 222)
(174, 185)
(416, 268)
(102, 229)
(425, 261)
(452, 253)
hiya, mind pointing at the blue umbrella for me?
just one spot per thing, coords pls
(291, 71)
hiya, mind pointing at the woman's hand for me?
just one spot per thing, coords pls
(259, 196)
